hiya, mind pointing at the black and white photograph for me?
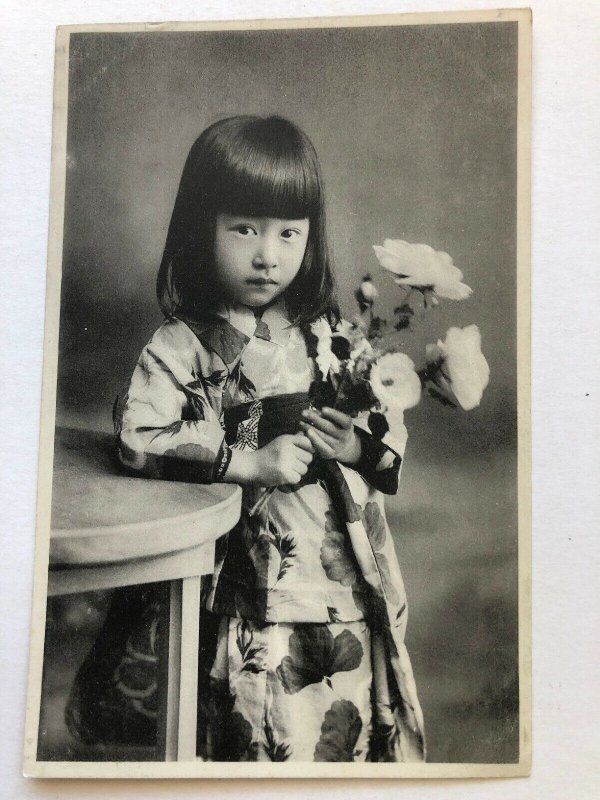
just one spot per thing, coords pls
(284, 480)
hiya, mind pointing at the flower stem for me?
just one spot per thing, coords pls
(343, 375)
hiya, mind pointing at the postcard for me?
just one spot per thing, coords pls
(283, 523)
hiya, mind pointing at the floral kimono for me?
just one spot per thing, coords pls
(302, 654)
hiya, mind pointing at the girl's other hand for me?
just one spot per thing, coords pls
(332, 435)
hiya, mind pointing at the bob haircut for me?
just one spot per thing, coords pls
(255, 166)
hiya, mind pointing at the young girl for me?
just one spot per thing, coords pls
(302, 654)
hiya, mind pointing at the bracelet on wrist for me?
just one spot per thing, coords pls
(223, 462)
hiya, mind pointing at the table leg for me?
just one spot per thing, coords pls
(178, 682)
(188, 683)
(169, 660)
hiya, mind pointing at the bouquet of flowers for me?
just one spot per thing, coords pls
(361, 366)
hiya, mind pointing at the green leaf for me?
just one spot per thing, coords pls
(197, 405)
(339, 733)
(212, 381)
(315, 655)
(252, 655)
(276, 750)
(285, 545)
(242, 381)
(335, 558)
(171, 429)
(377, 328)
(375, 525)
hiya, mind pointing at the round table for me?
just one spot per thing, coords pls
(110, 530)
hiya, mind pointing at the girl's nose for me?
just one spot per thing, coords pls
(266, 256)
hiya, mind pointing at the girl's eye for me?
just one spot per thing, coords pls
(244, 230)
(290, 233)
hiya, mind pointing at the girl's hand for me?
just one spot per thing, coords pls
(332, 435)
(285, 460)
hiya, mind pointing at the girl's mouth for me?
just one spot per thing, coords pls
(261, 281)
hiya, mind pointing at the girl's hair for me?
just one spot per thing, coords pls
(262, 167)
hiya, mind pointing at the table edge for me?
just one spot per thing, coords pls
(144, 540)
(136, 527)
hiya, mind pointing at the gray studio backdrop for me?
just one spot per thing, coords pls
(416, 131)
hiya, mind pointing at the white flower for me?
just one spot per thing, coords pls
(419, 266)
(368, 290)
(325, 358)
(395, 383)
(463, 368)
(366, 294)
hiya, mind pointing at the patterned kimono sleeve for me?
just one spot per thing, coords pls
(380, 460)
(166, 423)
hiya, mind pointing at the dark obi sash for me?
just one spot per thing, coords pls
(258, 422)
(254, 424)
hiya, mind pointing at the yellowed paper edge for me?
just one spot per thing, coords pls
(524, 385)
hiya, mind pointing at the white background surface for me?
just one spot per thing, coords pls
(566, 385)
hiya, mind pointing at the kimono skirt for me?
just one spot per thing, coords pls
(286, 652)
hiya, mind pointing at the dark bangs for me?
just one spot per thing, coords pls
(255, 166)
(266, 168)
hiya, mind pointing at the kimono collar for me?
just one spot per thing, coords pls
(227, 331)
(274, 325)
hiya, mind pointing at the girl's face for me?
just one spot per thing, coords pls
(256, 258)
